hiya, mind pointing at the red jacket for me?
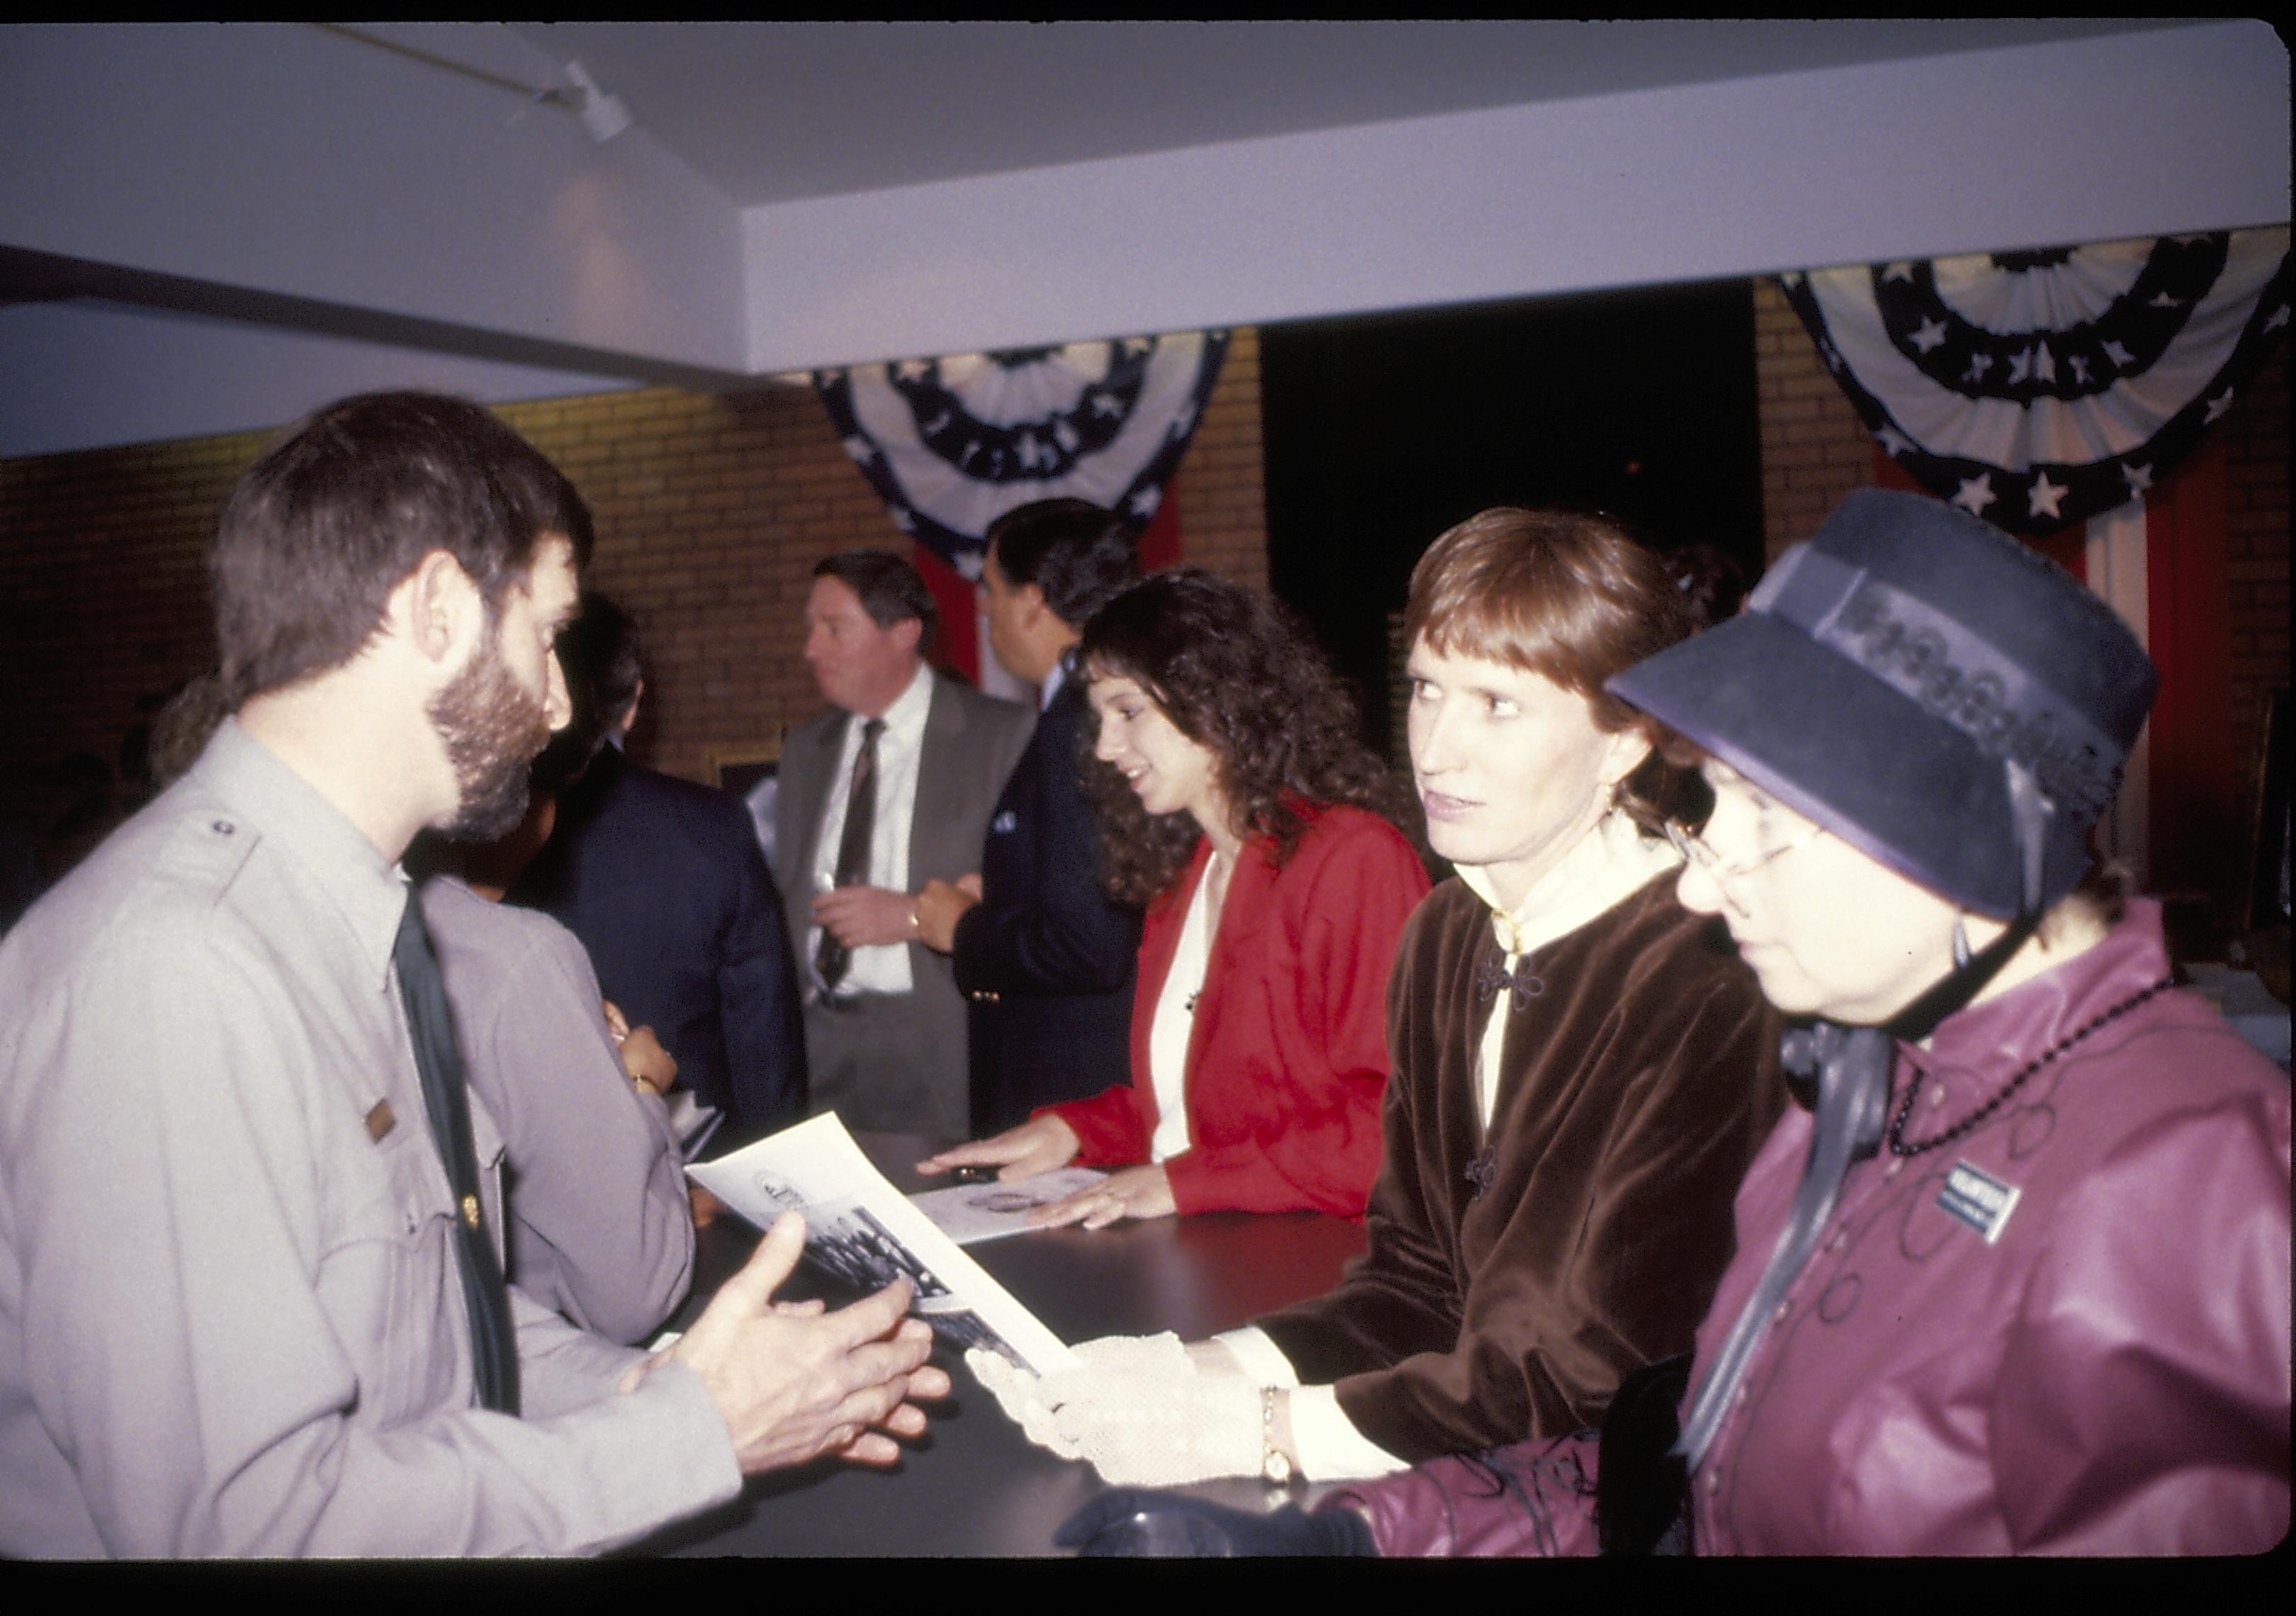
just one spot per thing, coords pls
(1287, 1059)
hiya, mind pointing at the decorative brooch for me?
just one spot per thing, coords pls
(1522, 983)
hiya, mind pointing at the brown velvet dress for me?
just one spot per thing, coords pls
(1638, 1078)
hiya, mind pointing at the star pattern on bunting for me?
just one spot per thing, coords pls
(2040, 386)
(952, 443)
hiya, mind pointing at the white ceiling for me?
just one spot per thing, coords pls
(773, 112)
(207, 228)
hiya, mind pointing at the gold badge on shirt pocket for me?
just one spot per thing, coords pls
(1979, 1200)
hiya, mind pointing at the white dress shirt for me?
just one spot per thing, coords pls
(1175, 1025)
(878, 967)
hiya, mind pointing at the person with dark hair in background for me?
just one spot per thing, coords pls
(1581, 1072)
(1043, 953)
(251, 1289)
(1711, 583)
(890, 790)
(1238, 803)
(663, 881)
(2012, 1278)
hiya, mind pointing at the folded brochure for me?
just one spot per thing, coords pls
(862, 1229)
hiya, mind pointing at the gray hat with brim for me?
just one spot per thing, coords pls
(1887, 678)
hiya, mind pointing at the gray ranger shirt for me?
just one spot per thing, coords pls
(230, 1320)
(600, 1228)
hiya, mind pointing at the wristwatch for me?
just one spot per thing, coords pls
(1274, 1464)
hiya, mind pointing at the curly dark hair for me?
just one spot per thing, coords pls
(1238, 674)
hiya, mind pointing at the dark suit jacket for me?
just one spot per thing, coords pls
(663, 881)
(1045, 957)
(904, 1071)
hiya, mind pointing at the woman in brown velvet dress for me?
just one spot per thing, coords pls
(1581, 1071)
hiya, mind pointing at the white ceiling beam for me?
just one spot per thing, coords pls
(2081, 140)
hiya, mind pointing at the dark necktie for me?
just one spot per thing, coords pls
(831, 957)
(431, 1025)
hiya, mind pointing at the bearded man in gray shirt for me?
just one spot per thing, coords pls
(231, 1320)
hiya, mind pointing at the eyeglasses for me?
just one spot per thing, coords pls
(1695, 849)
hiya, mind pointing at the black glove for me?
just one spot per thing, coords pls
(1134, 1522)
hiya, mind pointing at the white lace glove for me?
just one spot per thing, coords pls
(1028, 1400)
(1161, 1354)
(1153, 1431)
(1137, 1408)
(1016, 1392)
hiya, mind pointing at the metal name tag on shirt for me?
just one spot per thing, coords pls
(1979, 1200)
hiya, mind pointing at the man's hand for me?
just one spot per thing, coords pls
(940, 906)
(793, 1383)
(643, 1056)
(1136, 1192)
(1037, 1146)
(860, 916)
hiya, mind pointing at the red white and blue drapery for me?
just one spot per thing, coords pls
(2039, 388)
(2066, 395)
(953, 443)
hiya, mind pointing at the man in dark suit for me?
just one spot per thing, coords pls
(923, 757)
(1042, 953)
(662, 881)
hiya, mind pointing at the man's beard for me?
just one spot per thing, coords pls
(492, 729)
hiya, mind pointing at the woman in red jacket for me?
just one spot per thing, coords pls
(1237, 802)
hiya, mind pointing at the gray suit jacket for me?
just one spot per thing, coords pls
(897, 1063)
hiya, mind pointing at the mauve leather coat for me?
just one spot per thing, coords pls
(2111, 1375)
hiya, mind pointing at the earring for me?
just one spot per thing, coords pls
(1960, 944)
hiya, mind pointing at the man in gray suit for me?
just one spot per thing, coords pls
(925, 757)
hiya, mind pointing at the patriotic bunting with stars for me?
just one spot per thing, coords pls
(2039, 388)
(952, 444)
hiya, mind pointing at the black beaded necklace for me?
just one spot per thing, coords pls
(1897, 1143)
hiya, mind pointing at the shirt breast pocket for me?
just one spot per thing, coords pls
(387, 1281)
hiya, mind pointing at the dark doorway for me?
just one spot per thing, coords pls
(1381, 431)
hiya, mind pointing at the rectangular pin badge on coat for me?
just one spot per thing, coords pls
(1979, 1200)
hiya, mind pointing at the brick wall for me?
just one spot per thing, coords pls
(103, 601)
(1814, 450)
(2255, 549)
(1223, 490)
(711, 511)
